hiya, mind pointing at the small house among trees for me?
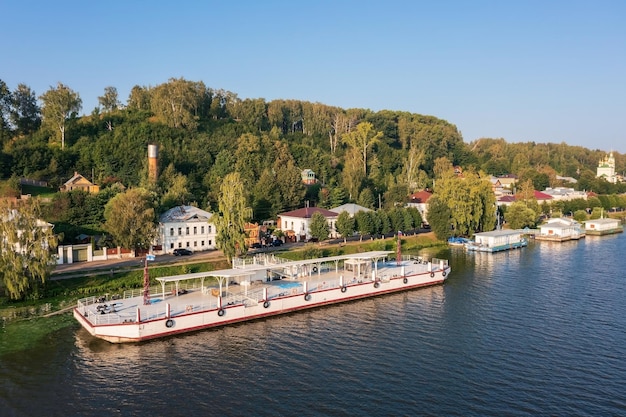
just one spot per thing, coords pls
(78, 182)
(308, 177)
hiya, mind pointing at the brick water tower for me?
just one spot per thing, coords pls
(153, 162)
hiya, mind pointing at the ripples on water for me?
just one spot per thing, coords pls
(537, 331)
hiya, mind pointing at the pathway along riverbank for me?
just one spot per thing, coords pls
(100, 272)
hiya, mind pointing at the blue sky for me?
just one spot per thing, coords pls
(542, 71)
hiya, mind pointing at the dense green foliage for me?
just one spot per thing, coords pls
(130, 219)
(319, 226)
(203, 134)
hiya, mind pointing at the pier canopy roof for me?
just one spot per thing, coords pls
(249, 270)
(222, 273)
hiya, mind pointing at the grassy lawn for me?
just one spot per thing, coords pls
(44, 192)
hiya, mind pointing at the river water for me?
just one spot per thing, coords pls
(535, 331)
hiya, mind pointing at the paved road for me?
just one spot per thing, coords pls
(112, 265)
(103, 267)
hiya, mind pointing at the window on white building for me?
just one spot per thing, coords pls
(195, 243)
(187, 230)
(195, 230)
(187, 244)
(180, 231)
(180, 245)
(171, 245)
(203, 243)
(209, 229)
(210, 243)
(171, 231)
(202, 229)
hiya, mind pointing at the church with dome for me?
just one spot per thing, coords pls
(606, 168)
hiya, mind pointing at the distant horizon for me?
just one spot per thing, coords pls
(524, 72)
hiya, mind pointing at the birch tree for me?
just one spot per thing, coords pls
(363, 138)
(109, 100)
(412, 165)
(59, 104)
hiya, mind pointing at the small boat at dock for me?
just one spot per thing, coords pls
(458, 241)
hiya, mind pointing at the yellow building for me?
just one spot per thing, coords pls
(78, 182)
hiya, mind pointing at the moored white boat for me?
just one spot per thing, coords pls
(264, 287)
(496, 241)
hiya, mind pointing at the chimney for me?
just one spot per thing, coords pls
(153, 162)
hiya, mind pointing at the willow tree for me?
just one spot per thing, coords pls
(26, 248)
(231, 217)
(470, 200)
(59, 104)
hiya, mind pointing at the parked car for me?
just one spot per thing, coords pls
(256, 245)
(182, 252)
(277, 242)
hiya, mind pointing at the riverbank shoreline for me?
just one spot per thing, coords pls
(35, 317)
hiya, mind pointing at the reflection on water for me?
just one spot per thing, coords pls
(536, 331)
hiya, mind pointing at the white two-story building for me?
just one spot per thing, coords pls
(296, 224)
(186, 227)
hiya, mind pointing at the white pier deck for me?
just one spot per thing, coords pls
(258, 288)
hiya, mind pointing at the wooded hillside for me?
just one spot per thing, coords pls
(373, 158)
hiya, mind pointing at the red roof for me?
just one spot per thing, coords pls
(539, 196)
(420, 197)
(307, 212)
(507, 199)
(542, 196)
